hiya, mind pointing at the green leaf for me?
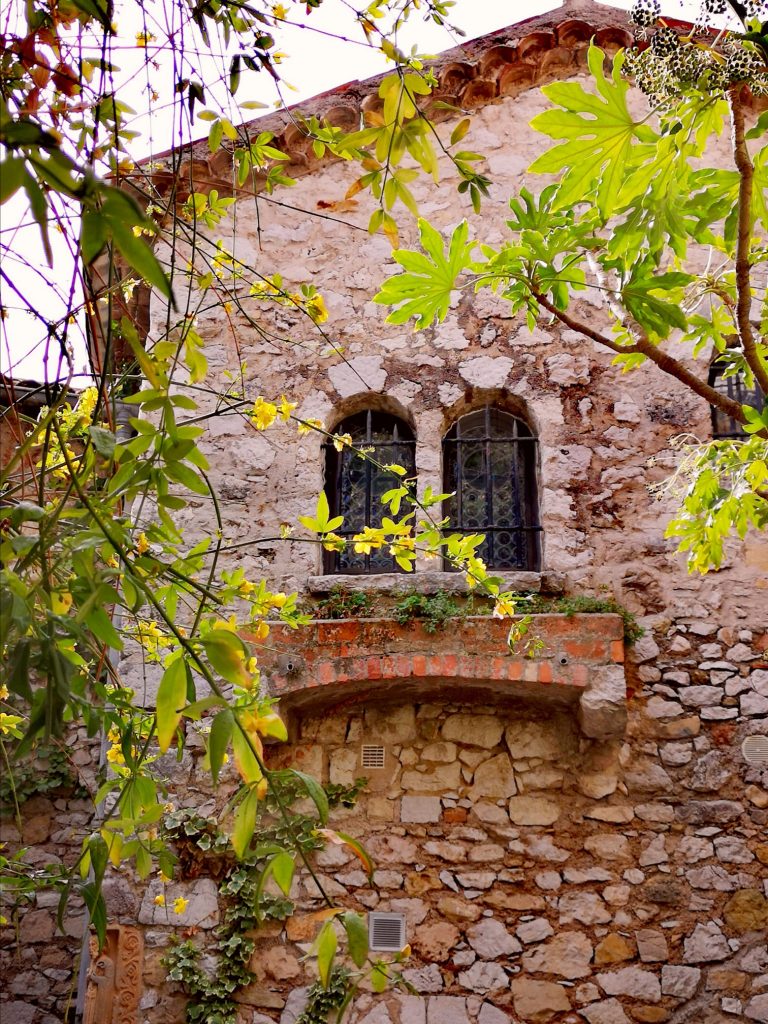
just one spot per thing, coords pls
(228, 655)
(316, 793)
(171, 697)
(282, 867)
(599, 133)
(379, 978)
(424, 291)
(11, 177)
(218, 740)
(215, 135)
(93, 235)
(196, 708)
(104, 441)
(357, 936)
(326, 951)
(100, 624)
(245, 823)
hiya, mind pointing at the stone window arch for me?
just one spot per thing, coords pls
(733, 386)
(490, 460)
(354, 485)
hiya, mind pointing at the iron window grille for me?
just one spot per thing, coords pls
(725, 427)
(489, 461)
(354, 485)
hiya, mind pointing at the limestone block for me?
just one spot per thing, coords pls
(613, 949)
(607, 1011)
(538, 1001)
(443, 779)
(533, 810)
(494, 778)
(490, 939)
(476, 730)
(534, 931)
(391, 725)
(447, 1010)
(633, 982)
(420, 809)
(567, 955)
(652, 945)
(425, 979)
(436, 940)
(343, 766)
(705, 944)
(486, 371)
(413, 1009)
(444, 752)
(536, 739)
(607, 846)
(484, 977)
(359, 373)
(202, 910)
(490, 1014)
(757, 1009)
(585, 907)
(678, 981)
(603, 705)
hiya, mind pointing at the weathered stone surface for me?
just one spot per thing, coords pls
(537, 739)
(447, 1010)
(608, 1011)
(678, 981)
(434, 941)
(567, 955)
(746, 911)
(538, 1001)
(705, 944)
(708, 812)
(391, 724)
(532, 810)
(490, 1014)
(346, 376)
(201, 911)
(654, 853)
(490, 939)
(603, 705)
(444, 778)
(633, 982)
(484, 977)
(534, 931)
(606, 846)
(424, 979)
(757, 1009)
(613, 949)
(420, 809)
(476, 730)
(652, 945)
(586, 907)
(494, 779)
(440, 751)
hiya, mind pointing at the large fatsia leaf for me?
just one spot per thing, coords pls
(423, 292)
(599, 134)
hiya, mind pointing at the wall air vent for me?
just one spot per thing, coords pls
(755, 750)
(386, 932)
(372, 756)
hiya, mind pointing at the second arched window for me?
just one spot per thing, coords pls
(490, 464)
(354, 485)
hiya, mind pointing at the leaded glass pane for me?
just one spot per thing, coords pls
(489, 461)
(354, 485)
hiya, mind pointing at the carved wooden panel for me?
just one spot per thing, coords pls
(114, 978)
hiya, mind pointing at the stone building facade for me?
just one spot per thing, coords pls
(570, 837)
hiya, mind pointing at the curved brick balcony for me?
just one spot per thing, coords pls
(330, 662)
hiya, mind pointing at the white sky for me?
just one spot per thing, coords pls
(315, 64)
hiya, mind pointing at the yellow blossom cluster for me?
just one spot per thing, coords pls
(264, 413)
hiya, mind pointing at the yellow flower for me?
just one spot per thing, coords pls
(8, 724)
(369, 539)
(263, 414)
(115, 755)
(504, 607)
(164, 879)
(280, 12)
(159, 900)
(307, 425)
(246, 587)
(142, 38)
(252, 665)
(261, 632)
(3, 692)
(180, 905)
(333, 542)
(341, 441)
(61, 602)
(278, 599)
(286, 408)
(317, 309)
(113, 562)
(142, 544)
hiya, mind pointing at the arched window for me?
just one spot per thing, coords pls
(489, 461)
(354, 486)
(733, 386)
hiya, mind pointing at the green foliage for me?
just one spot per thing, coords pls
(342, 603)
(432, 610)
(583, 604)
(324, 1000)
(46, 770)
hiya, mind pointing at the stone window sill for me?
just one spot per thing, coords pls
(431, 581)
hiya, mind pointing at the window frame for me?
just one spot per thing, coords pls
(333, 467)
(526, 486)
(724, 427)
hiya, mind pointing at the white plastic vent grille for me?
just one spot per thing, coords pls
(372, 756)
(386, 932)
(755, 749)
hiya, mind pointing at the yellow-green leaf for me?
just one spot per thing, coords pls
(171, 698)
